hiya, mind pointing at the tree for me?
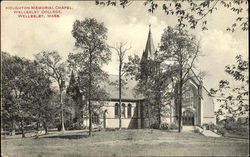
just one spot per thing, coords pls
(167, 72)
(234, 96)
(90, 36)
(8, 107)
(43, 110)
(154, 84)
(17, 86)
(26, 91)
(182, 49)
(190, 13)
(120, 49)
(56, 70)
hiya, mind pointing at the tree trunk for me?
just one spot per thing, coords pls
(89, 95)
(83, 117)
(37, 126)
(104, 119)
(149, 108)
(62, 116)
(4, 129)
(159, 114)
(22, 129)
(159, 107)
(180, 101)
(90, 118)
(45, 127)
(170, 113)
(158, 95)
(13, 131)
(120, 96)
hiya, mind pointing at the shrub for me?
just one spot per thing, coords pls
(238, 129)
(196, 130)
(76, 126)
(232, 126)
(59, 127)
(212, 126)
(154, 126)
(221, 130)
(164, 126)
(205, 126)
(173, 126)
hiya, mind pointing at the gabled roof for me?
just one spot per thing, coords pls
(198, 81)
(128, 91)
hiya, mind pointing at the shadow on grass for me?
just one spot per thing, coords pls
(67, 136)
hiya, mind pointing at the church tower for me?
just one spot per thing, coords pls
(148, 57)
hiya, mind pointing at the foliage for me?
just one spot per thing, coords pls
(232, 127)
(235, 127)
(233, 97)
(51, 63)
(192, 13)
(90, 36)
(173, 126)
(164, 126)
(27, 92)
(210, 126)
(178, 51)
(221, 130)
(76, 126)
(153, 76)
(53, 67)
(169, 126)
(154, 126)
(181, 49)
(215, 128)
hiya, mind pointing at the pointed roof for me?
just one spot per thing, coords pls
(72, 78)
(73, 86)
(149, 51)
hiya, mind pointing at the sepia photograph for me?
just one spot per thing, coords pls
(124, 78)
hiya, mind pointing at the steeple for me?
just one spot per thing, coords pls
(73, 88)
(148, 57)
(149, 52)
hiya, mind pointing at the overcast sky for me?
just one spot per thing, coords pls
(25, 37)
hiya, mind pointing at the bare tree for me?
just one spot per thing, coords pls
(121, 50)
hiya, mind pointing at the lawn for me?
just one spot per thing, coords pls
(124, 143)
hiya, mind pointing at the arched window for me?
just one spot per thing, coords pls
(123, 109)
(129, 110)
(189, 98)
(116, 109)
(95, 118)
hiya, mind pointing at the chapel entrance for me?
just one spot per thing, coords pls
(188, 118)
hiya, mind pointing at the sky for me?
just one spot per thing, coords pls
(25, 37)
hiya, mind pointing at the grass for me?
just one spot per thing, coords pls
(124, 143)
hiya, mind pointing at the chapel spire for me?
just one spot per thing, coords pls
(148, 57)
(149, 52)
